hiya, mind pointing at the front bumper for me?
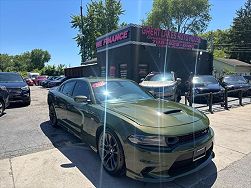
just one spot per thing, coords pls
(164, 166)
(219, 97)
(20, 97)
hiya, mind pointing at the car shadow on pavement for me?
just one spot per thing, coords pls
(16, 105)
(89, 164)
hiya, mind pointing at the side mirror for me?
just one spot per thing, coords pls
(81, 99)
(178, 80)
(142, 79)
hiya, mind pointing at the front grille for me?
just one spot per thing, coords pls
(159, 89)
(180, 167)
(14, 90)
(193, 136)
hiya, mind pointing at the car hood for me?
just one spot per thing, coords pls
(238, 85)
(13, 84)
(157, 83)
(157, 113)
(209, 87)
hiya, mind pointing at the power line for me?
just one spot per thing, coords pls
(240, 51)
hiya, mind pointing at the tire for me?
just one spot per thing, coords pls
(2, 108)
(112, 154)
(53, 116)
(27, 103)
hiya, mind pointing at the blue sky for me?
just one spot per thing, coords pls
(45, 24)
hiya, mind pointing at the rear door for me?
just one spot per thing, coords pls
(63, 100)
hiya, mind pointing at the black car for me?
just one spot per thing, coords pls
(205, 84)
(235, 82)
(57, 82)
(4, 99)
(44, 83)
(18, 89)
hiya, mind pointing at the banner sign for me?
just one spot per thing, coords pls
(163, 38)
(146, 35)
(112, 39)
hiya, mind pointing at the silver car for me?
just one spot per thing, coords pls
(162, 85)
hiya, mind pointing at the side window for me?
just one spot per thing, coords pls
(81, 89)
(67, 88)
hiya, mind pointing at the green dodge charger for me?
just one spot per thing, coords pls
(133, 133)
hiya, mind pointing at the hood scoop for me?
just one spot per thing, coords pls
(172, 111)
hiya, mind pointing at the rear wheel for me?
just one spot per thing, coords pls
(53, 116)
(2, 108)
(111, 153)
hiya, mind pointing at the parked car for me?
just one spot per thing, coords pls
(202, 84)
(32, 75)
(29, 81)
(232, 82)
(57, 82)
(162, 85)
(4, 99)
(18, 89)
(39, 79)
(44, 83)
(131, 130)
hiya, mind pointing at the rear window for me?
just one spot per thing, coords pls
(10, 77)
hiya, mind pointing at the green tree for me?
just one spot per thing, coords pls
(101, 17)
(240, 34)
(38, 58)
(5, 62)
(218, 42)
(189, 16)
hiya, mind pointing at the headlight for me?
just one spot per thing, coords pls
(196, 91)
(148, 140)
(3, 88)
(25, 88)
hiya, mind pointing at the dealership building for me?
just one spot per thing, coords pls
(134, 51)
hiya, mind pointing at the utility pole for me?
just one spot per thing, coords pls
(82, 37)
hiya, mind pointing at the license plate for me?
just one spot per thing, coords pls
(199, 153)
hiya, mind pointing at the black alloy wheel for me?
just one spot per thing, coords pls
(2, 108)
(53, 116)
(111, 153)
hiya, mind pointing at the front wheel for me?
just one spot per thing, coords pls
(53, 116)
(111, 153)
(2, 108)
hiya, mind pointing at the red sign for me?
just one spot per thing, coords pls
(111, 39)
(170, 39)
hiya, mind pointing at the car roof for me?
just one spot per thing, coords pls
(99, 79)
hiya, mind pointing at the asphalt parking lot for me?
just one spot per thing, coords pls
(33, 154)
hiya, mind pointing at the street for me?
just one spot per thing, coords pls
(33, 154)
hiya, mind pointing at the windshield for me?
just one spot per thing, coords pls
(160, 77)
(118, 91)
(60, 78)
(204, 80)
(10, 77)
(234, 79)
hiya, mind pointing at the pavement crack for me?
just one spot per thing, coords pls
(231, 149)
(12, 174)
